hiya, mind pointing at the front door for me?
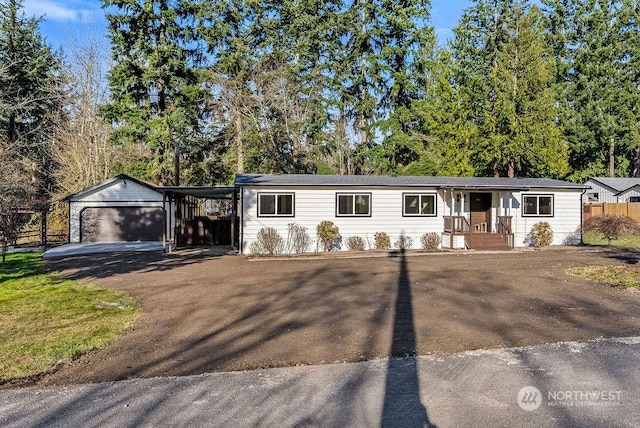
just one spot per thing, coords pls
(480, 207)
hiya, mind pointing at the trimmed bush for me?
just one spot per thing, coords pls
(328, 233)
(403, 243)
(541, 234)
(381, 241)
(355, 243)
(430, 241)
(268, 242)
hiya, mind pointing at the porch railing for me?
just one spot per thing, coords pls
(456, 225)
(504, 229)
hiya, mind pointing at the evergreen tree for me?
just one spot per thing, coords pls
(504, 80)
(31, 95)
(156, 86)
(597, 53)
(520, 135)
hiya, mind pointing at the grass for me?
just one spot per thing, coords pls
(625, 241)
(45, 318)
(617, 276)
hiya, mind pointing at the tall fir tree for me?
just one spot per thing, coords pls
(31, 97)
(156, 87)
(520, 135)
(504, 79)
(597, 83)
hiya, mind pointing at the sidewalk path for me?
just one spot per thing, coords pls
(595, 383)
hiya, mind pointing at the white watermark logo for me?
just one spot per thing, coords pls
(530, 398)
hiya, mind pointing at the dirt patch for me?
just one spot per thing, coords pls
(203, 314)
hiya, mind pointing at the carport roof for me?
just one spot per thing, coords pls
(203, 192)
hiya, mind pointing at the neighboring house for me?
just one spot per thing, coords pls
(612, 190)
(119, 209)
(487, 213)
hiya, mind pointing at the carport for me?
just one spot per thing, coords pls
(201, 215)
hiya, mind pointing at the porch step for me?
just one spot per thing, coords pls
(487, 241)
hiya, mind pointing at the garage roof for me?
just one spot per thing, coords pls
(107, 183)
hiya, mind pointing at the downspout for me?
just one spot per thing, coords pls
(69, 224)
(164, 221)
(582, 214)
(241, 225)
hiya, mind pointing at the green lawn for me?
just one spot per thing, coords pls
(625, 241)
(45, 318)
(617, 276)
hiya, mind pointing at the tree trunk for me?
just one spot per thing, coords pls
(176, 163)
(511, 171)
(239, 144)
(612, 159)
(636, 163)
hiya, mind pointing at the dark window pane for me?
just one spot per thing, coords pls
(428, 206)
(544, 203)
(362, 204)
(285, 204)
(267, 204)
(345, 204)
(530, 205)
(411, 204)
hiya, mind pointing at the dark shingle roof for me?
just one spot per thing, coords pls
(401, 181)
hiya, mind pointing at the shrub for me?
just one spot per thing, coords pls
(381, 241)
(355, 243)
(268, 242)
(328, 233)
(403, 242)
(430, 241)
(541, 234)
(611, 226)
(298, 240)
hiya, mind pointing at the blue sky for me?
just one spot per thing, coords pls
(65, 19)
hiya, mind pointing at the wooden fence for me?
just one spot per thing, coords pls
(626, 209)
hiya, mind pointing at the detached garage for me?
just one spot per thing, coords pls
(120, 209)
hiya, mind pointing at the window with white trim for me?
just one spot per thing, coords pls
(593, 197)
(275, 204)
(353, 204)
(418, 204)
(537, 205)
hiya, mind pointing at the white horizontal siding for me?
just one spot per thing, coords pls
(316, 204)
(565, 221)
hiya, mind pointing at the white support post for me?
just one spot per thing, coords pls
(453, 201)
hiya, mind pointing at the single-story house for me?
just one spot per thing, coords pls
(481, 213)
(612, 190)
(124, 208)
